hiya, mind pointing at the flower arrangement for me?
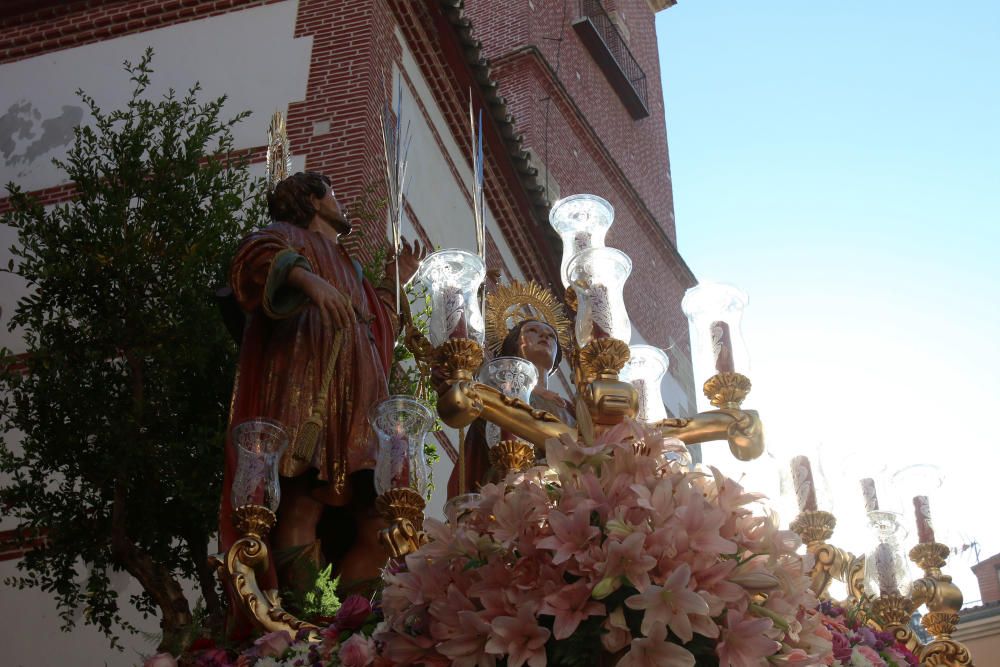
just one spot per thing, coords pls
(856, 645)
(611, 554)
(345, 642)
(612, 550)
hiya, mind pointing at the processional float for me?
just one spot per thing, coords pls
(613, 381)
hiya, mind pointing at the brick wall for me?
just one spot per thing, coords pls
(63, 25)
(988, 574)
(639, 147)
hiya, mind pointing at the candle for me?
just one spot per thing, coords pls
(805, 489)
(399, 462)
(868, 492)
(885, 569)
(600, 314)
(722, 347)
(453, 302)
(922, 512)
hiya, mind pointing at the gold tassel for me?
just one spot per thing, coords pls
(308, 436)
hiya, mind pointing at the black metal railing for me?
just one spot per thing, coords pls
(615, 43)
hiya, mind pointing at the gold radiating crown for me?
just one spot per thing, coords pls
(509, 305)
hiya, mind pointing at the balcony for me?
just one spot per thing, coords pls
(607, 46)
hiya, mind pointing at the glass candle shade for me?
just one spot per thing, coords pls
(582, 221)
(886, 568)
(458, 508)
(513, 377)
(259, 445)
(645, 370)
(453, 277)
(715, 315)
(401, 424)
(674, 451)
(598, 276)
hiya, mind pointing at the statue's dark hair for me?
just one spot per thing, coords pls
(511, 348)
(289, 201)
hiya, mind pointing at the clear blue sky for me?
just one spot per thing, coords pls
(840, 162)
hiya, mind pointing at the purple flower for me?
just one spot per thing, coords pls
(841, 647)
(352, 613)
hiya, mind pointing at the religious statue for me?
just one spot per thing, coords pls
(315, 356)
(522, 320)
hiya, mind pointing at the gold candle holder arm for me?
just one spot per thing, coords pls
(743, 430)
(240, 565)
(466, 401)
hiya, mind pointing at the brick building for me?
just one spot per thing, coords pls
(570, 91)
(979, 628)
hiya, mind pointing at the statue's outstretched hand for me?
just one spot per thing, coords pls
(334, 306)
(410, 257)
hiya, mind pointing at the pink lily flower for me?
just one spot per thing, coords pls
(672, 605)
(654, 651)
(520, 638)
(743, 642)
(570, 606)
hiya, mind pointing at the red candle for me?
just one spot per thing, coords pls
(399, 462)
(922, 512)
(885, 569)
(868, 492)
(453, 302)
(805, 489)
(722, 347)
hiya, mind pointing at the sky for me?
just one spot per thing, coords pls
(840, 162)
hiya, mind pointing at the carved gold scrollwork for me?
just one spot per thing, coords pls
(242, 562)
(945, 653)
(603, 358)
(856, 578)
(401, 538)
(459, 358)
(891, 612)
(727, 390)
(814, 526)
(418, 345)
(930, 557)
(403, 509)
(891, 609)
(512, 456)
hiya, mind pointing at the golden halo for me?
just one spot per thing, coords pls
(509, 305)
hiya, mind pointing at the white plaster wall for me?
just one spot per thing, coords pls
(251, 56)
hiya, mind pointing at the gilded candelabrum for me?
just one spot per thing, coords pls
(403, 510)
(609, 401)
(891, 611)
(246, 559)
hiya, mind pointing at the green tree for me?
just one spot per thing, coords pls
(115, 432)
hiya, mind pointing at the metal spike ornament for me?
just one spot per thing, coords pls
(396, 147)
(478, 200)
(279, 156)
